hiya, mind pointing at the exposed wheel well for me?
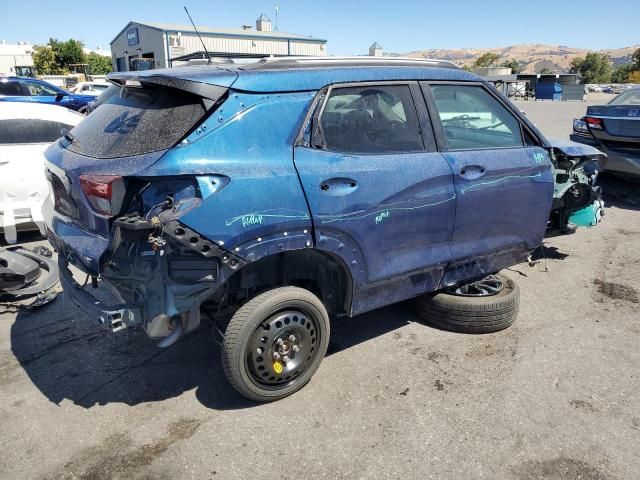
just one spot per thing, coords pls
(319, 272)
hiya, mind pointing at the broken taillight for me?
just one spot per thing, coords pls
(104, 192)
(595, 123)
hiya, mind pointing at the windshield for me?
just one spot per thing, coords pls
(135, 121)
(630, 97)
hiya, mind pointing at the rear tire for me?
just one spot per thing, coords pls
(275, 343)
(471, 314)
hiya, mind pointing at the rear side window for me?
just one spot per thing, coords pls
(11, 89)
(472, 118)
(134, 121)
(371, 119)
(30, 131)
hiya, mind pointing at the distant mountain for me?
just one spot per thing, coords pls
(533, 57)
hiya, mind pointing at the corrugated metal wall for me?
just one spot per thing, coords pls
(190, 43)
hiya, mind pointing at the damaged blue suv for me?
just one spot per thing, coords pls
(274, 196)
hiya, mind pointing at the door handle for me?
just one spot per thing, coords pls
(472, 172)
(339, 186)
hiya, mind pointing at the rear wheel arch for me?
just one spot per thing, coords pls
(322, 273)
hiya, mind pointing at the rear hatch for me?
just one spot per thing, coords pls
(90, 168)
(615, 125)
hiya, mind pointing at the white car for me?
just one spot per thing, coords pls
(90, 88)
(26, 130)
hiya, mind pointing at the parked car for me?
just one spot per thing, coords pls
(614, 129)
(90, 88)
(14, 89)
(26, 130)
(275, 195)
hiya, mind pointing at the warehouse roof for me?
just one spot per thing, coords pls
(227, 32)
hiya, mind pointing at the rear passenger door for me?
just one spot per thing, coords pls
(380, 194)
(503, 181)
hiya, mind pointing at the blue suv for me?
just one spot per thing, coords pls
(18, 89)
(274, 196)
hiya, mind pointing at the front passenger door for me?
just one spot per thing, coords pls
(503, 181)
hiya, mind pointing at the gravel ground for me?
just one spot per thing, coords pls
(556, 396)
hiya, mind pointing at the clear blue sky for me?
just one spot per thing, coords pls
(349, 26)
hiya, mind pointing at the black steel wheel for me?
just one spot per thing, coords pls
(481, 306)
(275, 342)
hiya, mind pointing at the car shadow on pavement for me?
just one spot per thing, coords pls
(619, 192)
(69, 357)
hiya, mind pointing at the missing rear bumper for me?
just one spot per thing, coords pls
(114, 317)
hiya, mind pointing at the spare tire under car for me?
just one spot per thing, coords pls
(483, 306)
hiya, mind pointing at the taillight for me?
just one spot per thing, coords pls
(595, 123)
(104, 192)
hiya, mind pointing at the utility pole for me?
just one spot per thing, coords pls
(277, 11)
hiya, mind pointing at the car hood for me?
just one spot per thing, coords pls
(574, 149)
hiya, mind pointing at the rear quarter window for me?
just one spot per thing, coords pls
(135, 121)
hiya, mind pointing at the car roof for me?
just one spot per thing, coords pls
(40, 111)
(289, 74)
(22, 79)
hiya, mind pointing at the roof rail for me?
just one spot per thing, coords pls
(282, 63)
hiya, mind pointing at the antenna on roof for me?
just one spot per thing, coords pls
(198, 33)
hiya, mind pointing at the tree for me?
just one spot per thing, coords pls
(634, 77)
(54, 57)
(636, 58)
(99, 64)
(594, 68)
(513, 64)
(44, 60)
(546, 71)
(622, 73)
(67, 52)
(486, 60)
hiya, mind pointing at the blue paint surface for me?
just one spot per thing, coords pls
(506, 206)
(242, 142)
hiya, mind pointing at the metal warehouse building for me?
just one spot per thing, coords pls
(144, 46)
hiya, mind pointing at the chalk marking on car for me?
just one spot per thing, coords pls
(348, 216)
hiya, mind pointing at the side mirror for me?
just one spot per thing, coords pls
(59, 97)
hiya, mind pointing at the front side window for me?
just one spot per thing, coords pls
(371, 119)
(38, 90)
(473, 119)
